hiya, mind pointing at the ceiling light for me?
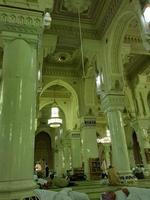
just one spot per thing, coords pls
(106, 139)
(55, 121)
(47, 19)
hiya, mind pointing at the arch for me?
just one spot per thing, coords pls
(43, 148)
(116, 38)
(64, 84)
(46, 129)
(43, 129)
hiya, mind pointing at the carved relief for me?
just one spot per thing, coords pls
(20, 22)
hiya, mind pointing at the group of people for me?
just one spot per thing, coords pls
(45, 176)
(47, 179)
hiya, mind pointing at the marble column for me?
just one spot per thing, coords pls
(67, 154)
(88, 142)
(107, 154)
(113, 104)
(141, 127)
(56, 164)
(17, 116)
(60, 162)
(76, 149)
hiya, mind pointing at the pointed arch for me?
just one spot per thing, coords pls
(116, 39)
(64, 84)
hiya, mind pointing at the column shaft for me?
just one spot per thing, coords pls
(89, 144)
(17, 118)
(76, 149)
(113, 104)
(119, 147)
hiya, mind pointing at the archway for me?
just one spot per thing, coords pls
(64, 84)
(66, 98)
(136, 150)
(43, 148)
(119, 29)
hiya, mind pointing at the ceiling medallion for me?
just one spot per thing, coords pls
(77, 5)
(62, 57)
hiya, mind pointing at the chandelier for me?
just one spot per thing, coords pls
(55, 121)
(106, 139)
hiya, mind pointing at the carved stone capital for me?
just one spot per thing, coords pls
(88, 121)
(141, 124)
(112, 102)
(21, 21)
(8, 37)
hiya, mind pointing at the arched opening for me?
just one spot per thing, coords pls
(136, 150)
(66, 100)
(43, 149)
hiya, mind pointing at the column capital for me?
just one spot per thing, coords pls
(141, 123)
(88, 121)
(8, 37)
(113, 102)
(21, 21)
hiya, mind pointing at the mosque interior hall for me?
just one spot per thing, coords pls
(79, 92)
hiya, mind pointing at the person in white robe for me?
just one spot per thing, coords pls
(64, 194)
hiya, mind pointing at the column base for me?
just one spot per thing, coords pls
(128, 178)
(17, 189)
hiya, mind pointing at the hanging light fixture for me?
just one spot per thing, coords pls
(106, 139)
(55, 121)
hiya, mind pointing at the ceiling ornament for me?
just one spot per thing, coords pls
(77, 5)
(62, 57)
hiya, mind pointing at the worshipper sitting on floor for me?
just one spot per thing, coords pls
(46, 170)
(61, 182)
(40, 168)
(53, 182)
(138, 172)
(65, 194)
(113, 176)
(104, 178)
(129, 193)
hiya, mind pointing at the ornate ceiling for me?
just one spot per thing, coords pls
(96, 17)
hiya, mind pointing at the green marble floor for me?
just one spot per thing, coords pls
(94, 188)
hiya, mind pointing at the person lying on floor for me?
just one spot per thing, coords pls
(64, 194)
(52, 182)
(129, 193)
